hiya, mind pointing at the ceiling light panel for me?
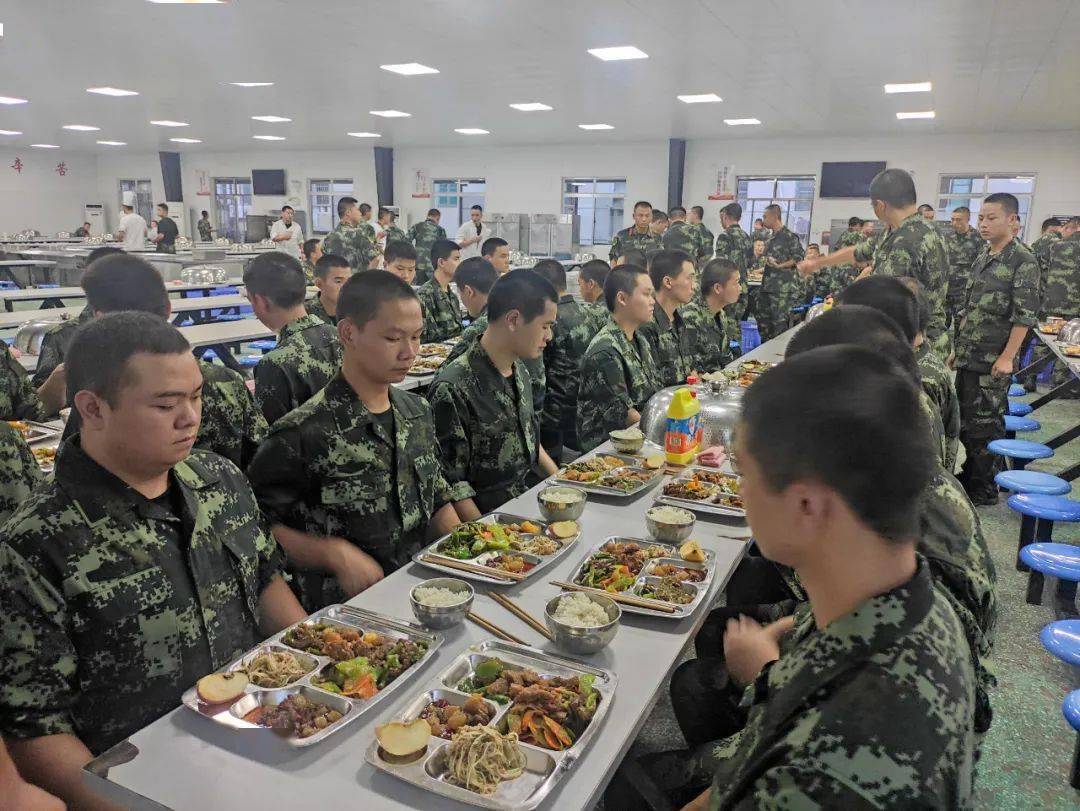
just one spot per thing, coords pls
(917, 114)
(472, 131)
(10, 132)
(699, 98)
(164, 122)
(741, 122)
(45, 146)
(111, 91)
(909, 87)
(618, 53)
(364, 134)
(268, 137)
(113, 143)
(596, 126)
(185, 140)
(252, 84)
(390, 113)
(531, 107)
(81, 128)
(271, 119)
(11, 100)
(409, 69)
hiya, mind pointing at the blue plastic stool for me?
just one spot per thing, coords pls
(750, 335)
(264, 345)
(1062, 638)
(1016, 390)
(1032, 481)
(1070, 708)
(6, 285)
(1039, 513)
(249, 361)
(1020, 451)
(1018, 408)
(1060, 561)
(1019, 424)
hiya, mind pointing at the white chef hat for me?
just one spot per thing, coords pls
(129, 199)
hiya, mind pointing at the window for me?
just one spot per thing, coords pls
(599, 202)
(144, 197)
(969, 190)
(232, 202)
(324, 196)
(454, 197)
(793, 193)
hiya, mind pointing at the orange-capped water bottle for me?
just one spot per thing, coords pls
(682, 440)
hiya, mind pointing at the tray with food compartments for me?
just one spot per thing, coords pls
(505, 723)
(705, 490)
(316, 677)
(610, 474)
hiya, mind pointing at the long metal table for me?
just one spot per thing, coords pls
(54, 296)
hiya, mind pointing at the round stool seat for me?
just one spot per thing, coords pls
(1071, 709)
(1016, 390)
(1021, 423)
(264, 345)
(249, 361)
(1050, 508)
(1062, 638)
(1020, 449)
(1060, 560)
(1018, 408)
(1031, 481)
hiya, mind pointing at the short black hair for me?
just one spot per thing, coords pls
(522, 290)
(383, 210)
(100, 251)
(634, 257)
(923, 303)
(667, 263)
(1005, 200)
(399, 249)
(925, 207)
(854, 222)
(676, 211)
(1049, 222)
(595, 270)
(363, 294)
(733, 211)
(164, 206)
(309, 247)
(642, 204)
(962, 210)
(889, 295)
(553, 271)
(477, 273)
(434, 212)
(477, 208)
(206, 213)
(97, 359)
(659, 216)
(622, 279)
(287, 208)
(329, 261)
(775, 209)
(893, 187)
(365, 208)
(863, 435)
(124, 281)
(699, 211)
(814, 245)
(491, 244)
(277, 276)
(344, 204)
(716, 271)
(441, 249)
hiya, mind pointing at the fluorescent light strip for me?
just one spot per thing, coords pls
(110, 91)
(596, 126)
(409, 69)
(167, 123)
(45, 146)
(909, 87)
(390, 113)
(185, 140)
(700, 98)
(113, 143)
(364, 134)
(270, 119)
(472, 131)
(268, 137)
(618, 53)
(10, 132)
(919, 114)
(531, 107)
(81, 128)
(11, 100)
(188, 2)
(252, 84)
(741, 122)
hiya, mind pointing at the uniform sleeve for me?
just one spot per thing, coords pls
(795, 787)
(864, 251)
(616, 246)
(255, 427)
(603, 398)
(19, 473)
(448, 414)
(1025, 294)
(280, 479)
(331, 244)
(48, 358)
(271, 391)
(25, 404)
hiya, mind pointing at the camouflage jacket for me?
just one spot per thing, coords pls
(762, 234)
(1061, 294)
(486, 425)
(669, 344)
(330, 468)
(848, 239)
(54, 345)
(872, 711)
(231, 425)
(394, 234)
(705, 240)
(682, 236)
(18, 397)
(574, 329)
(442, 312)
(309, 271)
(352, 243)
(307, 355)
(315, 307)
(937, 383)
(19, 472)
(205, 232)
(1041, 248)
(368, 229)
(423, 235)
(616, 376)
(914, 248)
(734, 244)
(936, 425)
(962, 252)
(708, 337)
(630, 237)
(781, 247)
(1004, 291)
(534, 366)
(114, 604)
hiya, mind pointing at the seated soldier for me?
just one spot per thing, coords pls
(618, 375)
(672, 275)
(400, 259)
(632, 256)
(351, 481)
(313, 252)
(331, 272)
(442, 311)
(19, 472)
(497, 251)
(591, 279)
(710, 330)
(19, 400)
(483, 400)
(141, 568)
(307, 354)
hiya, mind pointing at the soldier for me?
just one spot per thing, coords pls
(206, 231)
(927, 212)
(331, 273)
(351, 481)
(734, 245)
(19, 472)
(391, 232)
(618, 375)
(710, 331)
(441, 309)
(705, 236)
(639, 236)
(672, 276)
(780, 287)
(1002, 302)
(659, 225)
(680, 235)
(473, 279)
(760, 231)
(423, 235)
(963, 245)
(1061, 294)
(19, 400)
(843, 275)
(307, 354)
(1051, 233)
(822, 285)
(497, 251)
(313, 252)
(911, 247)
(591, 280)
(365, 222)
(400, 259)
(349, 239)
(483, 403)
(139, 569)
(574, 329)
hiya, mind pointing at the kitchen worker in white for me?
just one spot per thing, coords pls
(472, 234)
(131, 233)
(287, 236)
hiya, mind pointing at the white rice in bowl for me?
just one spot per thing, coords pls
(577, 610)
(675, 516)
(436, 597)
(562, 495)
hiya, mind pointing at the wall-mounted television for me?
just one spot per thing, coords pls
(268, 181)
(848, 178)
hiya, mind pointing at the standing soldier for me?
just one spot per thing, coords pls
(705, 236)
(638, 236)
(391, 232)
(206, 231)
(349, 239)
(964, 245)
(843, 275)
(781, 286)
(423, 235)
(1051, 234)
(680, 235)
(735, 245)
(1001, 305)
(1061, 294)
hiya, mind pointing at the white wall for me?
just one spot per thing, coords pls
(39, 196)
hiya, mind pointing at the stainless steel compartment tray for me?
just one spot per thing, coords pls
(704, 507)
(629, 460)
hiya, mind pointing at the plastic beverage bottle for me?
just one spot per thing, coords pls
(682, 440)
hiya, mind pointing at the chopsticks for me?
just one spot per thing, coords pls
(521, 614)
(625, 599)
(491, 628)
(460, 565)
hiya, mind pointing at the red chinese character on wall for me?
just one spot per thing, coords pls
(61, 168)
(17, 166)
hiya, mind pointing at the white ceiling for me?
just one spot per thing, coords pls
(800, 67)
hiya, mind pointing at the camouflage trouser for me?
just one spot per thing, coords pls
(943, 346)
(954, 302)
(773, 311)
(983, 401)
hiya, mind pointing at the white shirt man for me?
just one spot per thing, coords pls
(287, 236)
(132, 230)
(473, 233)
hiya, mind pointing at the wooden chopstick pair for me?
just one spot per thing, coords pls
(522, 614)
(625, 599)
(492, 628)
(462, 566)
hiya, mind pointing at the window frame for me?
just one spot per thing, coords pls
(751, 211)
(465, 199)
(241, 218)
(588, 232)
(144, 196)
(966, 198)
(335, 193)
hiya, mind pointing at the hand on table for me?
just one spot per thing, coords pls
(749, 645)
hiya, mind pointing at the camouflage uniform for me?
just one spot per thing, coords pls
(841, 276)
(18, 398)
(705, 243)
(962, 253)
(647, 242)
(1061, 294)
(19, 471)
(351, 243)
(54, 345)
(616, 376)
(1041, 248)
(331, 468)
(369, 230)
(669, 344)
(394, 234)
(574, 329)
(231, 425)
(309, 271)
(534, 366)
(1004, 291)
(205, 233)
(762, 234)
(937, 383)
(307, 355)
(708, 337)
(315, 307)
(734, 244)
(114, 604)
(937, 426)
(682, 236)
(442, 312)
(424, 235)
(781, 288)
(486, 426)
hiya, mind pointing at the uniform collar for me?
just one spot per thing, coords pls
(298, 326)
(484, 368)
(347, 409)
